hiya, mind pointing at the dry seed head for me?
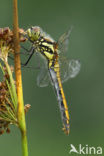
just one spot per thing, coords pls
(6, 105)
(6, 41)
(27, 107)
(4, 127)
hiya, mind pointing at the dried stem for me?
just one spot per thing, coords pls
(20, 113)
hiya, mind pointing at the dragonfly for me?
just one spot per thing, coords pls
(56, 68)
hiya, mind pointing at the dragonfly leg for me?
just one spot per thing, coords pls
(30, 67)
(22, 65)
(25, 64)
(11, 57)
(31, 54)
(26, 50)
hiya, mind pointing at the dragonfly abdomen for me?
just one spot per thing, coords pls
(55, 77)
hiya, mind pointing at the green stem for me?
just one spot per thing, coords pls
(24, 144)
(20, 112)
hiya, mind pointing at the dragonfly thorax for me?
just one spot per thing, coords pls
(46, 48)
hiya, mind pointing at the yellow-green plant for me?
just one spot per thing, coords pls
(11, 94)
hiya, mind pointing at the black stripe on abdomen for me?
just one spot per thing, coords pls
(60, 99)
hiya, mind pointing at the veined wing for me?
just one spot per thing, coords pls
(43, 77)
(63, 41)
(68, 69)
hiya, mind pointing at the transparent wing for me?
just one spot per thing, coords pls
(69, 69)
(63, 41)
(43, 77)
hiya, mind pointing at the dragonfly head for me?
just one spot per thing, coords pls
(34, 33)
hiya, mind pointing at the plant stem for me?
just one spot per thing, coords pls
(20, 112)
(24, 145)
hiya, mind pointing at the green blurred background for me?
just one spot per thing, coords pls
(85, 93)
